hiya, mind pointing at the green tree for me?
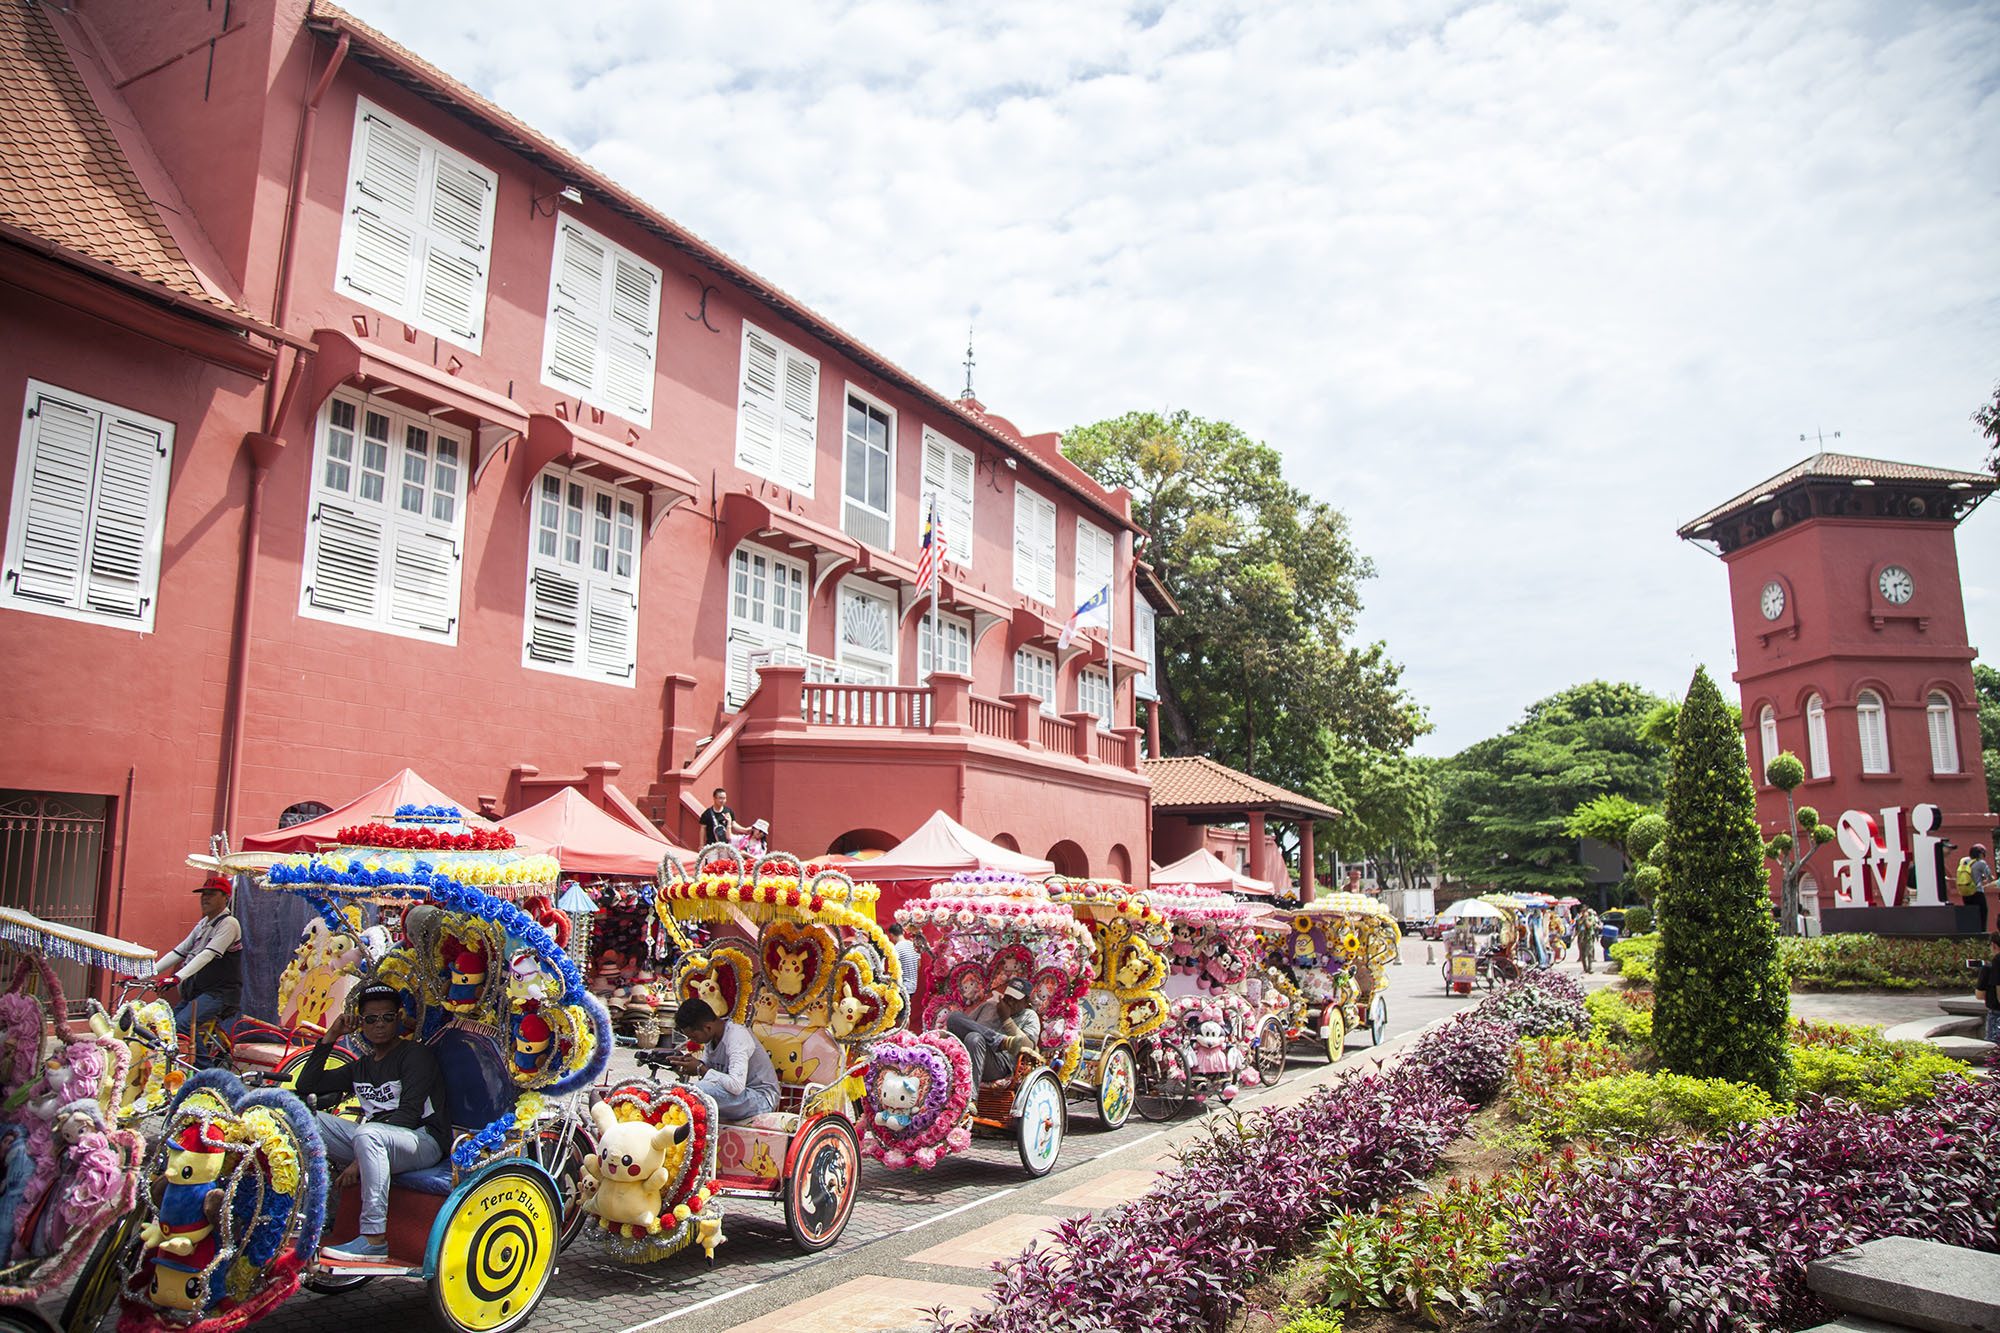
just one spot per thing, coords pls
(1258, 671)
(1986, 687)
(1987, 418)
(1388, 807)
(1802, 836)
(1721, 1000)
(1507, 800)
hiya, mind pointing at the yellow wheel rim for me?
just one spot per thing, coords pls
(497, 1251)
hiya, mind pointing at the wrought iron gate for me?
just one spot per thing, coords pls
(52, 863)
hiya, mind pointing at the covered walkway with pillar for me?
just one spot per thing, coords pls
(1194, 792)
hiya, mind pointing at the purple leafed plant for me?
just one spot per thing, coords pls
(1715, 1234)
(1467, 1055)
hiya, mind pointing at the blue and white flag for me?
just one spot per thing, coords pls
(1095, 610)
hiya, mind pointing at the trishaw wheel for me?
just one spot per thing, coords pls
(561, 1152)
(24, 1319)
(333, 1284)
(497, 1240)
(826, 1169)
(1270, 1051)
(1378, 1019)
(1040, 1123)
(1161, 1096)
(1335, 1023)
(96, 1289)
(1116, 1088)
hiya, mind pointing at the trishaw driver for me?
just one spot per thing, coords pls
(733, 1067)
(208, 964)
(1005, 1025)
(405, 1124)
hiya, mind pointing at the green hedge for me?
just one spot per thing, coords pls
(1877, 962)
(1895, 1074)
(1647, 1106)
(1635, 956)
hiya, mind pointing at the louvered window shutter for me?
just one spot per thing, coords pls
(575, 310)
(131, 481)
(1045, 549)
(630, 334)
(798, 432)
(461, 224)
(52, 530)
(1026, 579)
(344, 564)
(1944, 739)
(612, 647)
(960, 508)
(382, 244)
(423, 586)
(555, 608)
(757, 414)
(1874, 735)
(934, 487)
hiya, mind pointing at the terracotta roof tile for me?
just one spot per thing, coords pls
(1843, 467)
(63, 177)
(1198, 782)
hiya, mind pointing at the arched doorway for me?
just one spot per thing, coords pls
(1119, 864)
(860, 840)
(1069, 859)
(1007, 840)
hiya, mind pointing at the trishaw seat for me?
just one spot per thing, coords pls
(432, 1179)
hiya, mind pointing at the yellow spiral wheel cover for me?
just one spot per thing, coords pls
(498, 1251)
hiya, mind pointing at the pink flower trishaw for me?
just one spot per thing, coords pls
(976, 933)
(1339, 951)
(793, 954)
(1124, 1004)
(1225, 1025)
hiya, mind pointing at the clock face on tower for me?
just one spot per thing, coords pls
(1773, 600)
(1896, 585)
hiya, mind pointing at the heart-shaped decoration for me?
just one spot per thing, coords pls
(644, 1128)
(719, 977)
(1015, 960)
(261, 1152)
(1127, 962)
(916, 1093)
(1144, 1016)
(966, 986)
(861, 1005)
(797, 963)
(1053, 993)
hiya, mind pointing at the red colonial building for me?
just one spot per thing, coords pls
(355, 424)
(1852, 653)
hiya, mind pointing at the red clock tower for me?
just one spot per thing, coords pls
(1852, 653)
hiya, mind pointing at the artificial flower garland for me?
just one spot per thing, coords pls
(426, 838)
(937, 1128)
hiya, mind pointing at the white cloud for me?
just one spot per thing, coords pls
(1519, 287)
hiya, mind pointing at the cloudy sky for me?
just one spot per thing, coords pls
(1520, 287)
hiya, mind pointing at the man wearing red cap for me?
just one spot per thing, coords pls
(208, 964)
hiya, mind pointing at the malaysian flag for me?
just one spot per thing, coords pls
(935, 549)
(1095, 610)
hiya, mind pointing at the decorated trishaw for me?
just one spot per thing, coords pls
(1125, 1002)
(1226, 1023)
(237, 1198)
(794, 954)
(1340, 950)
(977, 932)
(1470, 921)
(69, 1173)
(1501, 957)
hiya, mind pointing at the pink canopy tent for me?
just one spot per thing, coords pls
(940, 848)
(586, 840)
(375, 804)
(1205, 870)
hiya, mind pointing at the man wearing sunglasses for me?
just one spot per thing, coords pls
(405, 1124)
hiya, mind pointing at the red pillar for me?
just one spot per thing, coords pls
(1306, 861)
(1153, 729)
(1257, 861)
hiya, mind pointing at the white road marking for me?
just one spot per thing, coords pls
(698, 1305)
(919, 1226)
(1123, 1146)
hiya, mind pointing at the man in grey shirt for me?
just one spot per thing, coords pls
(734, 1068)
(908, 962)
(1005, 1025)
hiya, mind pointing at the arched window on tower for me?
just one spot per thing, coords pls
(1816, 737)
(1767, 728)
(1874, 731)
(1944, 733)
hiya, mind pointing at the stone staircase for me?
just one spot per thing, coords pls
(1956, 1034)
(1897, 1284)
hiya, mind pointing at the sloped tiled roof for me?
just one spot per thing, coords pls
(404, 66)
(63, 177)
(1844, 467)
(1198, 783)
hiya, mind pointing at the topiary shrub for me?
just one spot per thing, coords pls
(1639, 920)
(1720, 1001)
(1640, 1107)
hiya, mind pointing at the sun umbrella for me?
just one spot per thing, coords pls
(1469, 907)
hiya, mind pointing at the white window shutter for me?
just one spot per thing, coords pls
(630, 336)
(423, 580)
(461, 225)
(574, 310)
(344, 560)
(960, 489)
(553, 614)
(934, 486)
(611, 645)
(55, 520)
(382, 246)
(1045, 549)
(131, 486)
(757, 414)
(1026, 579)
(798, 433)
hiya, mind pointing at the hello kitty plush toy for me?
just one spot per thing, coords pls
(897, 1096)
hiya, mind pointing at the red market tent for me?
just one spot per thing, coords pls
(372, 806)
(942, 847)
(1205, 870)
(588, 841)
